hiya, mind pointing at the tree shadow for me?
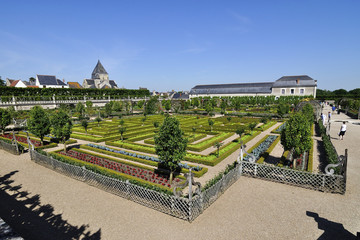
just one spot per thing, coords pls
(332, 230)
(33, 220)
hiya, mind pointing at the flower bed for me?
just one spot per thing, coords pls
(261, 147)
(23, 141)
(143, 174)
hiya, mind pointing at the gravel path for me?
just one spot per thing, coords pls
(42, 204)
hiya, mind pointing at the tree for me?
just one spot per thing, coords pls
(80, 109)
(209, 107)
(170, 145)
(108, 108)
(39, 123)
(218, 145)
(156, 125)
(122, 130)
(98, 119)
(151, 105)
(193, 130)
(167, 105)
(85, 125)
(282, 109)
(240, 131)
(308, 112)
(143, 120)
(252, 126)
(89, 108)
(61, 126)
(229, 119)
(5, 119)
(2, 82)
(211, 123)
(296, 134)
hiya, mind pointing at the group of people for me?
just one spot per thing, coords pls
(342, 128)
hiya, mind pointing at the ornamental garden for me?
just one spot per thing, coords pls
(131, 141)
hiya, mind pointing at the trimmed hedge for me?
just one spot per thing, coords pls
(111, 173)
(201, 146)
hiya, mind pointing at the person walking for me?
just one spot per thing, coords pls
(329, 116)
(342, 131)
(323, 117)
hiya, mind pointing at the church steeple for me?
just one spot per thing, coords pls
(99, 72)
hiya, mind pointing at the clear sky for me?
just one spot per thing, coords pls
(169, 44)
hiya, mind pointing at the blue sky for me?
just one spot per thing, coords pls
(165, 45)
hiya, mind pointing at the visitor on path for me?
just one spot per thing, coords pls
(329, 116)
(323, 117)
(342, 131)
(333, 108)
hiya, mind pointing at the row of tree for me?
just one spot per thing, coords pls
(336, 94)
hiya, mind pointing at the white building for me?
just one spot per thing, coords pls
(300, 85)
(49, 81)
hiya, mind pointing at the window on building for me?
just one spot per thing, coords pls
(292, 91)
(283, 91)
(302, 91)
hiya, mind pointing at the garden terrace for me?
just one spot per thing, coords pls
(22, 140)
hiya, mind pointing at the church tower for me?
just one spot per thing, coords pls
(100, 72)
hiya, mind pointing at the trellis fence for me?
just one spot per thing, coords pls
(190, 208)
(11, 148)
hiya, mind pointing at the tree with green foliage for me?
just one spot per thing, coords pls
(156, 125)
(98, 120)
(211, 123)
(117, 106)
(240, 131)
(5, 119)
(308, 111)
(39, 123)
(13, 113)
(89, 108)
(218, 146)
(108, 108)
(2, 82)
(229, 119)
(282, 109)
(122, 130)
(195, 102)
(61, 126)
(209, 107)
(143, 120)
(85, 125)
(252, 126)
(151, 105)
(297, 134)
(167, 105)
(80, 109)
(193, 130)
(170, 144)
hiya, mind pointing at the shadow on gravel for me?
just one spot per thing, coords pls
(31, 220)
(332, 230)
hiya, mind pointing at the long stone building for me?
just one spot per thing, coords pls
(300, 85)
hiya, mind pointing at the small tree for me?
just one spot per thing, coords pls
(121, 122)
(240, 131)
(229, 119)
(283, 109)
(167, 105)
(89, 108)
(122, 130)
(211, 123)
(61, 126)
(170, 145)
(98, 119)
(80, 109)
(296, 134)
(218, 145)
(209, 108)
(5, 119)
(108, 108)
(39, 123)
(156, 125)
(85, 125)
(252, 126)
(143, 120)
(194, 130)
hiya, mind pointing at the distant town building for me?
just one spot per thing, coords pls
(74, 85)
(300, 85)
(99, 78)
(49, 81)
(18, 83)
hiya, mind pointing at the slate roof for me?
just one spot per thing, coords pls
(99, 68)
(181, 96)
(90, 81)
(113, 83)
(47, 80)
(295, 81)
(233, 88)
(61, 83)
